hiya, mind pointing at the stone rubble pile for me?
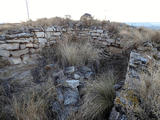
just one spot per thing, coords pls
(70, 83)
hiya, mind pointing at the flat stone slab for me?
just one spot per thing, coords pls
(14, 46)
(4, 53)
(72, 83)
(19, 52)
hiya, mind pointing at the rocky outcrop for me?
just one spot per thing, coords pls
(128, 101)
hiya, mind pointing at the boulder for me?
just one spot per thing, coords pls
(20, 35)
(57, 33)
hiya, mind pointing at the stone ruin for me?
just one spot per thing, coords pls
(23, 47)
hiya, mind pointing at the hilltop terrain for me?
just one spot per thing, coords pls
(63, 69)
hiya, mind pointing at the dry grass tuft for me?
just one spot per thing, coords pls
(33, 104)
(76, 53)
(135, 36)
(113, 28)
(47, 22)
(149, 93)
(43, 22)
(99, 98)
(156, 37)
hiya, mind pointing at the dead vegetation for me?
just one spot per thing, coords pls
(156, 37)
(71, 51)
(33, 104)
(148, 92)
(76, 54)
(135, 36)
(99, 97)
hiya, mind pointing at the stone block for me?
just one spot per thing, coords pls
(25, 58)
(4, 53)
(30, 39)
(49, 29)
(39, 34)
(35, 46)
(42, 40)
(14, 46)
(95, 34)
(48, 34)
(57, 33)
(19, 52)
(1, 42)
(21, 40)
(110, 40)
(15, 60)
(22, 46)
(32, 50)
(29, 45)
(100, 31)
(72, 83)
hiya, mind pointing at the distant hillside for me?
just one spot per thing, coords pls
(152, 25)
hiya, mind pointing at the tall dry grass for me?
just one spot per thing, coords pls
(76, 53)
(99, 98)
(135, 36)
(33, 104)
(149, 94)
(156, 37)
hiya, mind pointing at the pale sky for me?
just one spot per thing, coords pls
(114, 10)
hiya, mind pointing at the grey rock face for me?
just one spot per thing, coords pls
(70, 69)
(19, 53)
(84, 69)
(136, 59)
(4, 53)
(4, 62)
(71, 97)
(76, 76)
(73, 83)
(88, 75)
(2, 37)
(19, 35)
(14, 46)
